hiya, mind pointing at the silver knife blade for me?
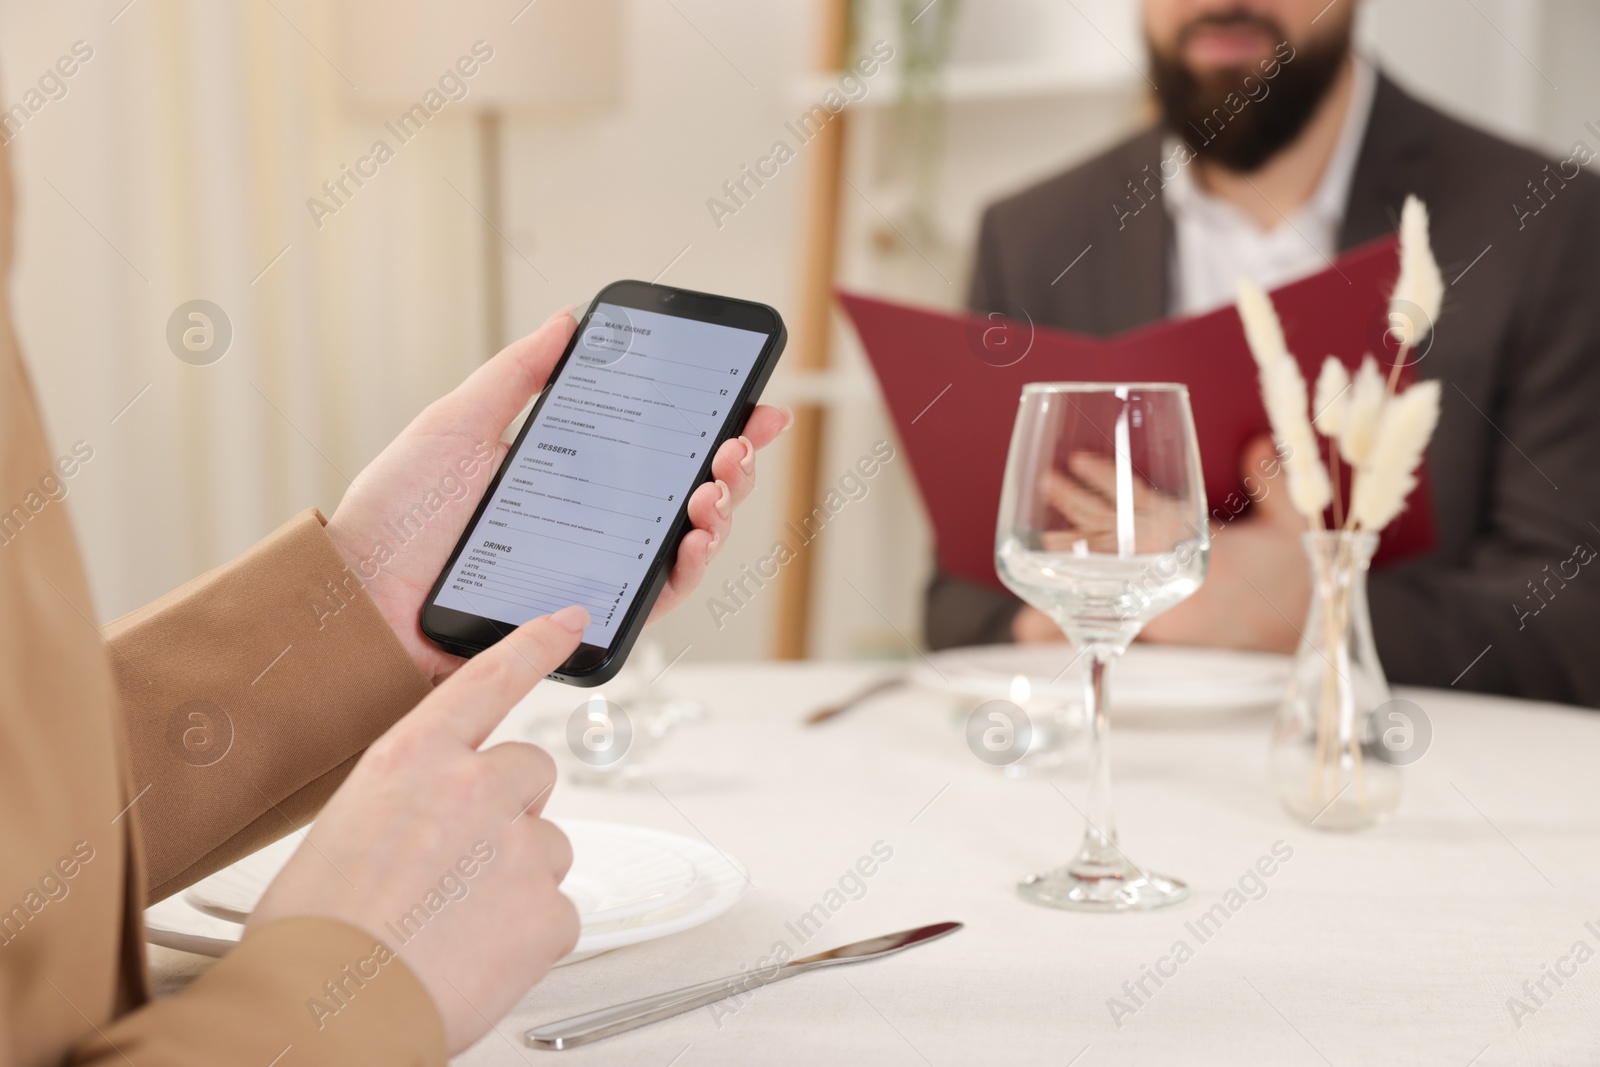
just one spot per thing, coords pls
(593, 1025)
(874, 947)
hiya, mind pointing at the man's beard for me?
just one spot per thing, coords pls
(1192, 108)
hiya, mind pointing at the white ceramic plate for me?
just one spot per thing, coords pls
(1146, 679)
(617, 871)
(630, 884)
(623, 871)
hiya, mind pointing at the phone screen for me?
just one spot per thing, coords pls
(591, 492)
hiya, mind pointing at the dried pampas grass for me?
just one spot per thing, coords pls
(1419, 291)
(1382, 434)
(1309, 487)
(1360, 424)
(1283, 392)
(1383, 485)
(1332, 397)
(1261, 326)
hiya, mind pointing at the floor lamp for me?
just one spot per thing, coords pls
(550, 58)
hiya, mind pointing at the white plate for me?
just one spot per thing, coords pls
(617, 871)
(620, 871)
(630, 884)
(1147, 678)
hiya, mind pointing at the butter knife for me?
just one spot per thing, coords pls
(883, 685)
(591, 1026)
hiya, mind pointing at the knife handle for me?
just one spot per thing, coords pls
(591, 1026)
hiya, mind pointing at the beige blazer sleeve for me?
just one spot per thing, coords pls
(295, 992)
(247, 696)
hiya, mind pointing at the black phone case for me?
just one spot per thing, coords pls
(655, 579)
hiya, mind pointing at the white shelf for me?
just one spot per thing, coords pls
(988, 83)
(836, 385)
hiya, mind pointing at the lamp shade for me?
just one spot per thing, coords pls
(547, 55)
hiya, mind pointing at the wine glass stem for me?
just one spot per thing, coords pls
(1100, 835)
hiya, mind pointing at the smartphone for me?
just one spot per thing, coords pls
(591, 502)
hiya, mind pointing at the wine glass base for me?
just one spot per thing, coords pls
(1120, 888)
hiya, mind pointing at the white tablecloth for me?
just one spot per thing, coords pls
(1400, 945)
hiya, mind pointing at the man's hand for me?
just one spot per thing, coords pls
(403, 514)
(424, 813)
(1084, 494)
(1258, 588)
(1030, 626)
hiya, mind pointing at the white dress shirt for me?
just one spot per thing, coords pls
(1217, 243)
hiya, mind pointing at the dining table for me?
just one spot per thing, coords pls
(1462, 932)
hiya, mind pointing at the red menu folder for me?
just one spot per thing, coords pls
(952, 383)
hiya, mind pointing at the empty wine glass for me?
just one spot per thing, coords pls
(1102, 527)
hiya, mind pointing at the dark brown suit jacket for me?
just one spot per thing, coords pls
(1515, 464)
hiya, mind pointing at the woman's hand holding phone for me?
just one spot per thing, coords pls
(711, 506)
(591, 503)
(401, 518)
(423, 805)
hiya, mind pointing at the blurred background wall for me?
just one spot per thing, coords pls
(176, 163)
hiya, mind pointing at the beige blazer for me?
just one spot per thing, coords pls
(137, 759)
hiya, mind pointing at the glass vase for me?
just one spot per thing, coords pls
(1328, 766)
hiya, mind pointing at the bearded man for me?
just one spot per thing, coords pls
(1278, 148)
